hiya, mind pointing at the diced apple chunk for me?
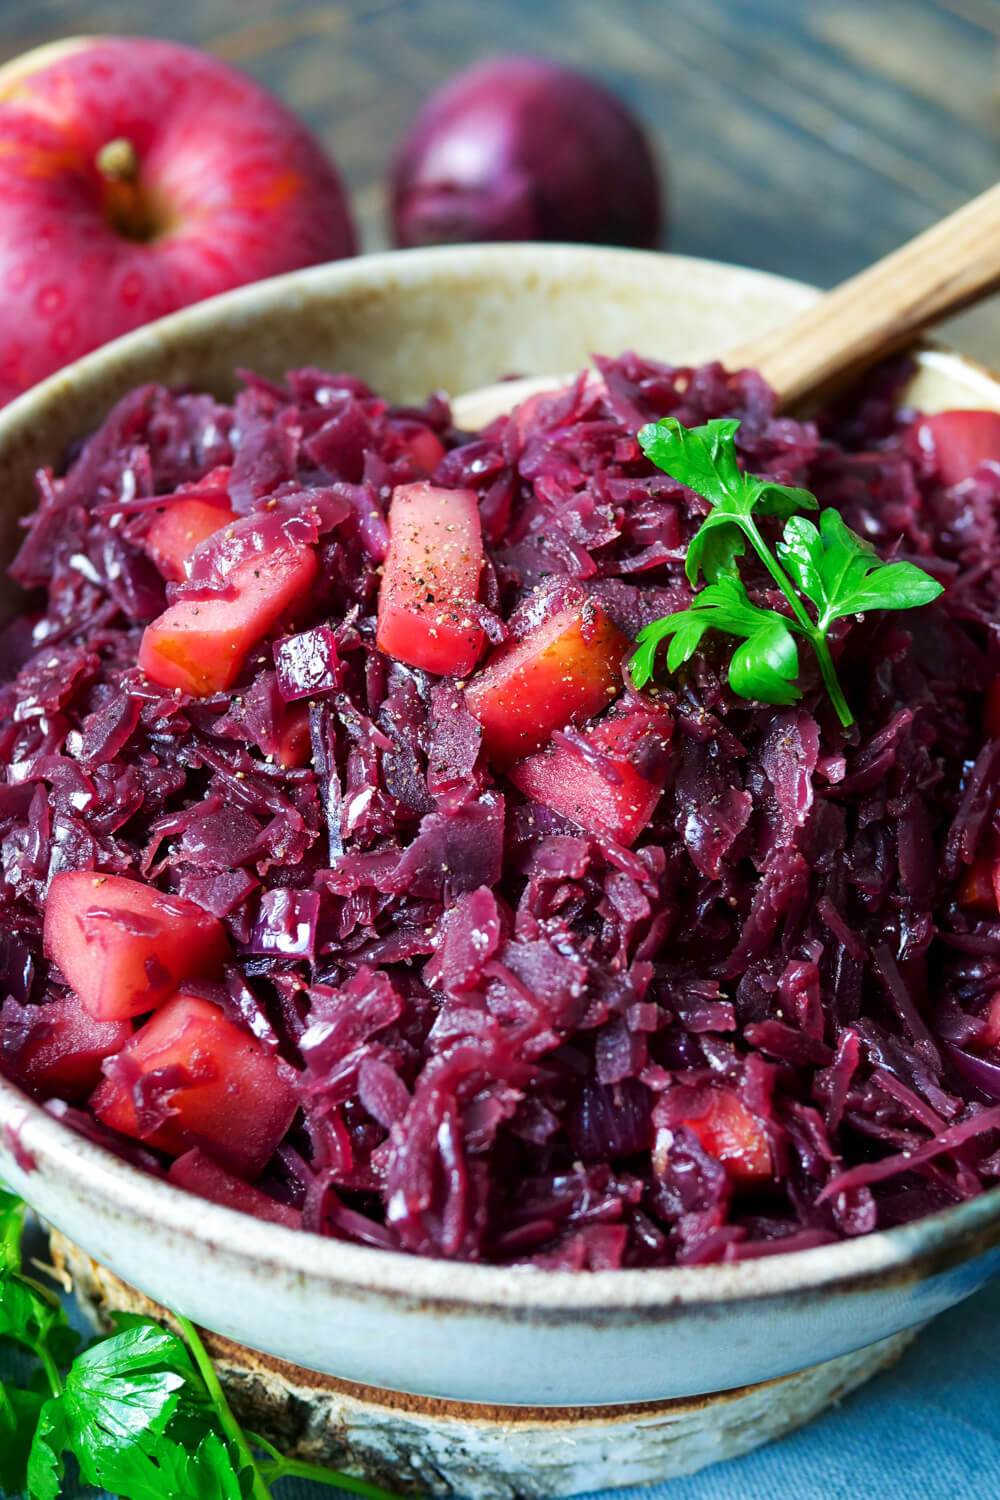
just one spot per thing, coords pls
(199, 644)
(564, 671)
(729, 1132)
(430, 580)
(976, 889)
(191, 1077)
(960, 441)
(63, 1045)
(613, 793)
(123, 946)
(182, 526)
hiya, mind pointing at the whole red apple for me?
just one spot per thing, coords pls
(137, 176)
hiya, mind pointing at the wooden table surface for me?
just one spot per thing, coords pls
(799, 136)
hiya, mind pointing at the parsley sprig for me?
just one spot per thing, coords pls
(827, 567)
(142, 1411)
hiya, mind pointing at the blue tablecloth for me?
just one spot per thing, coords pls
(928, 1429)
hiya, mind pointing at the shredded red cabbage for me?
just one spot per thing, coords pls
(508, 1033)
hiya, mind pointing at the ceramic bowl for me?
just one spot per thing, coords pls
(458, 318)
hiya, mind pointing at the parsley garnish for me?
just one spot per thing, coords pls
(142, 1412)
(827, 567)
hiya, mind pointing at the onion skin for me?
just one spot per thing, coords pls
(521, 148)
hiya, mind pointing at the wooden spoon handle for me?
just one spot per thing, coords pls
(474, 409)
(877, 311)
(882, 308)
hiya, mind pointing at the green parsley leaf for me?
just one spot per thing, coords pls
(19, 1412)
(831, 568)
(172, 1352)
(687, 630)
(704, 459)
(731, 607)
(764, 667)
(801, 552)
(216, 1476)
(11, 1230)
(167, 1469)
(46, 1469)
(842, 575)
(135, 1415)
(32, 1316)
(689, 626)
(783, 500)
(142, 1412)
(25, 1315)
(714, 548)
(123, 1386)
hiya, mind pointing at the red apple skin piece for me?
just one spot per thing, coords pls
(195, 513)
(563, 671)
(422, 449)
(233, 1098)
(960, 441)
(64, 1052)
(230, 188)
(430, 578)
(561, 778)
(124, 947)
(182, 526)
(198, 1173)
(199, 644)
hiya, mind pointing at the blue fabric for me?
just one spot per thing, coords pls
(928, 1429)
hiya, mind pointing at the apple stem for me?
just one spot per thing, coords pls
(118, 159)
(125, 203)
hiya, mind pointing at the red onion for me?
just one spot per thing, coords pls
(522, 149)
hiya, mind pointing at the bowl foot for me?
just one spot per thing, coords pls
(454, 1448)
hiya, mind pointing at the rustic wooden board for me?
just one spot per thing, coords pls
(800, 136)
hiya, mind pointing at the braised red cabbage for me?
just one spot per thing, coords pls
(505, 1029)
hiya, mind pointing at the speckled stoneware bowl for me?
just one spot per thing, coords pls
(455, 319)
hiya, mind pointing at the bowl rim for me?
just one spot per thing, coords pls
(36, 1139)
(909, 1253)
(363, 272)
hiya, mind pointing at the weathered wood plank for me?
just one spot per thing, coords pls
(803, 138)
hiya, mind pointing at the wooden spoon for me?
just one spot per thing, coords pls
(877, 311)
